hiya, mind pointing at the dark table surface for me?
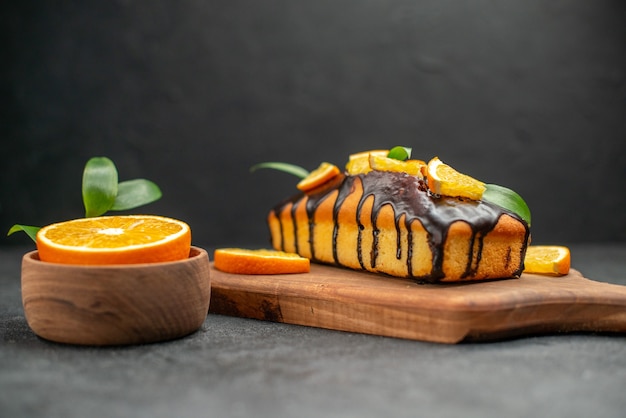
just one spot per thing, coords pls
(236, 367)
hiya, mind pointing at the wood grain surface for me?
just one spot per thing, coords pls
(116, 304)
(340, 299)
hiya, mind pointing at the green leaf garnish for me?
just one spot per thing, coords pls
(507, 199)
(99, 186)
(134, 193)
(284, 167)
(400, 153)
(31, 231)
(102, 192)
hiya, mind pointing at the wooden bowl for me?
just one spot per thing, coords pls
(116, 304)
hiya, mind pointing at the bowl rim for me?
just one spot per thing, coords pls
(195, 253)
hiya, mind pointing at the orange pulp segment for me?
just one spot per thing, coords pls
(245, 261)
(322, 174)
(359, 163)
(445, 180)
(412, 167)
(129, 239)
(547, 259)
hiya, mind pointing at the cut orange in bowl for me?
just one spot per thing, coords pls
(445, 180)
(547, 259)
(130, 239)
(263, 261)
(322, 174)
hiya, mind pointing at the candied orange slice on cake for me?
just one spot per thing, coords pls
(322, 174)
(412, 167)
(446, 181)
(547, 259)
(359, 163)
(262, 261)
(129, 239)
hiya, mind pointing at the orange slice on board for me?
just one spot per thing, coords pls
(446, 181)
(553, 260)
(129, 239)
(322, 174)
(245, 261)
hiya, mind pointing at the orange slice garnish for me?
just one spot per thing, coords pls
(127, 239)
(322, 174)
(445, 180)
(359, 163)
(245, 261)
(553, 260)
(412, 167)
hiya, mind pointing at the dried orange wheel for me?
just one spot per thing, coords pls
(245, 261)
(547, 259)
(129, 239)
(446, 181)
(325, 172)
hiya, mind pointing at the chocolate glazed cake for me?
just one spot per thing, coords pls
(389, 222)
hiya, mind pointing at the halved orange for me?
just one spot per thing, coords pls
(445, 180)
(359, 163)
(263, 261)
(128, 239)
(412, 167)
(547, 259)
(322, 174)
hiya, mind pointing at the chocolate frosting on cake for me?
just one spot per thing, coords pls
(411, 201)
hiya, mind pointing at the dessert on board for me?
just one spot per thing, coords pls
(388, 213)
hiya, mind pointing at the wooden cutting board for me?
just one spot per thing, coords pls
(346, 300)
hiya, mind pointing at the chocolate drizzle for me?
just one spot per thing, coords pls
(411, 201)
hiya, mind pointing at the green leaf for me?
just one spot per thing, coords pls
(31, 231)
(99, 186)
(507, 199)
(285, 167)
(133, 193)
(400, 153)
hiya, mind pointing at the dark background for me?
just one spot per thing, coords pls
(190, 94)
